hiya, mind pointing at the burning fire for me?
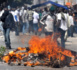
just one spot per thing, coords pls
(42, 51)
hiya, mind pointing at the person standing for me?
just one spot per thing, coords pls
(16, 16)
(23, 12)
(1, 12)
(49, 24)
(25, 26)
(35, 21)
(45, 11)
(30, 18)
(71, 24)
(7, 20)
(75, 21)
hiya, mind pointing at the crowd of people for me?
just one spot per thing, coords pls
(45, 20)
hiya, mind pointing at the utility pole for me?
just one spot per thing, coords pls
(39, 1)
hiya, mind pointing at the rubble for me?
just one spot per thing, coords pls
(41, 52)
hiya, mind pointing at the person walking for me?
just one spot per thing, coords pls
(62, 22)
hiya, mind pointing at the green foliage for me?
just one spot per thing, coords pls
(2, 50)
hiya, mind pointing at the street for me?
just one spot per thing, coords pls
(22, 41)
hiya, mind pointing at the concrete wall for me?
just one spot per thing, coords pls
(38, 1)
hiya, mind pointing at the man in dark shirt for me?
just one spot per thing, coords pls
(7, 20)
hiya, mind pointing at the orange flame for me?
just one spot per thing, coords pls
(46, 46)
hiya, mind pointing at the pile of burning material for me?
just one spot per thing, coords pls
(41, 52)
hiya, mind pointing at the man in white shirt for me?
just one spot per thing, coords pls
(30, 18)
(25, 24)
(62, 20)
(63, 25)
(35, 21)
(49, 24)
(71, 24)
(1, 12)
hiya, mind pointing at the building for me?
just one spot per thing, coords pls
(38, 1)
(73, 2)
(62, 2)
(42, 1)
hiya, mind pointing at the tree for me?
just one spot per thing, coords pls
(15, 3)
(21, 1)
(1, 1)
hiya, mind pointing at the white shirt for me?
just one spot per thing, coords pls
(21, 11)
(49, 21)
(1, 13)
(35, 17)
(49, 24)
(71, 21)
(63, 25)
(16, 13)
